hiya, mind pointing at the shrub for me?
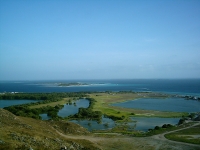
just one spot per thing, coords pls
(181, 121)
(157, 128)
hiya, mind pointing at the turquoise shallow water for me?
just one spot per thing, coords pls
(173, 86)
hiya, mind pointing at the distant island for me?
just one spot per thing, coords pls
(72, 84)
(77, 84)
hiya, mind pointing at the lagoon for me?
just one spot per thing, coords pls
(69, 109)
(143, 123)
(105, 124)
(138, 123)
(73, 108)
(6, 103)
(45, 117)
(167, 104)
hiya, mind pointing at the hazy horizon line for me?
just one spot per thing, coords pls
(101, 79)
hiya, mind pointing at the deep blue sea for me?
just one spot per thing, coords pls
(173, 86)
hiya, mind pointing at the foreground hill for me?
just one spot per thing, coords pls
(23, 133)
(26, 134)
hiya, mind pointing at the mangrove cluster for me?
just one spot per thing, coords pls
(44, 98)
(88, 113)
(40, 96)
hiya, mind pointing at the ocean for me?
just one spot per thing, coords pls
(170, 86)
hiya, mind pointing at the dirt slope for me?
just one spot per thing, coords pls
(23, 133)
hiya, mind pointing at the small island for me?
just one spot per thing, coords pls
(72, 84)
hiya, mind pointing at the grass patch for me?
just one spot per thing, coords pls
(52, 104)
(104, 101)
(191, 135)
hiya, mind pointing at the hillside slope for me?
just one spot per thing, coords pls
(25, 133)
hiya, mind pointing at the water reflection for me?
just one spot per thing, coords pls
(105, 124)
(7, 103)
(138, 123)
(169, 104)
(143, 124)
(71, 109)
(45, 117)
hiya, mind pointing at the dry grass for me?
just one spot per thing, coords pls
(20, 132)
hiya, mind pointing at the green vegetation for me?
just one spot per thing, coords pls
(159, 130)
(88, 113)
(104, 101)
(52, 103)
(191, 135)
(25, 111)
(99, 104)
(40, 96)
(33, 110)
(168, 127)
(21, 133)
(190, 116)
(28, 110)
(125, 129)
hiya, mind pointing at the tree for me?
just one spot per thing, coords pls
(157, 128)
(181, 121)
(192, 115)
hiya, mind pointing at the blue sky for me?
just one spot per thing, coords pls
(99, 39)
